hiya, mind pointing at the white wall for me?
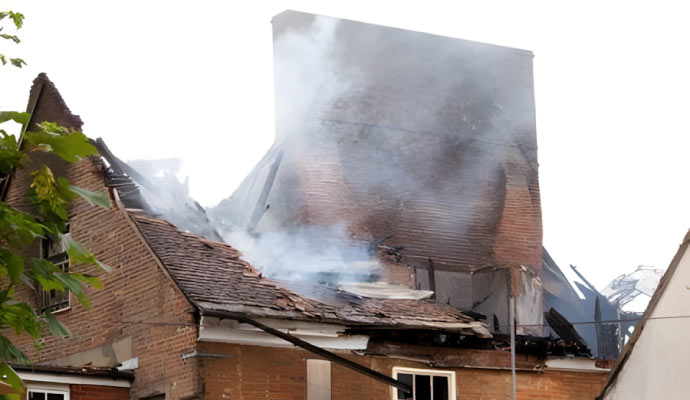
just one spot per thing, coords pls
(659, 365)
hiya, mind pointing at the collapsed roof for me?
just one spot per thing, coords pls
(215, 278)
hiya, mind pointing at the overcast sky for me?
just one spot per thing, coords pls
(194, 80)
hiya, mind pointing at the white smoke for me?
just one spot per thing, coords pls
(311, 253)
(396, 123)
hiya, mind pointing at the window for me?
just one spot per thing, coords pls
(45, 394)
(54, 300)
(426, 384)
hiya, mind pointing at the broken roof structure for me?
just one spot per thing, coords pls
(421, 147)
(215, 278)
(654, 362)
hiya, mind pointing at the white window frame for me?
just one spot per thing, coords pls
(430, 372)
(47, 389)
(64, 265)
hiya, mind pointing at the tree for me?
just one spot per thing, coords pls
(49, 197)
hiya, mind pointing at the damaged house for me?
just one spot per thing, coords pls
(384, 248)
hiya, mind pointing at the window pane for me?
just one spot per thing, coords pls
(422, 388)
(440, 388)
(406, 379)
(56, 396)
(37, 396)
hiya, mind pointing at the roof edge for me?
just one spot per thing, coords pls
(80, 371)
(140, 235)
(625, 354)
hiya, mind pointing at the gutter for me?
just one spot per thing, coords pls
(311, 348)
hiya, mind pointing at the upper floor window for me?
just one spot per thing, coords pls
(54, 300)
(425, 384)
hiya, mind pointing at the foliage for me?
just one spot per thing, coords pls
(18, 20)
(47, 218)
(49, 197)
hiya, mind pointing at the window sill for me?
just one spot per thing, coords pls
(60, 311)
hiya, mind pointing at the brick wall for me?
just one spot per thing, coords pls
(90, 392)
(519, 236)
(137, 292)
(250, 372)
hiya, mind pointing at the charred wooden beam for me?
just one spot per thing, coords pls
(453, 357)
(261, 206)
(432, 278)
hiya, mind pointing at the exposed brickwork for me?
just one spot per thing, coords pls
(137, 292)
(249, 372)
(519, 236)
(89, 392)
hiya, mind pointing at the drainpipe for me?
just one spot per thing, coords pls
(511, 315)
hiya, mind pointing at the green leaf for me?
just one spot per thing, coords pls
(16, 228)
(13, 263)
(8, 352)
(101, 198)
(17, 18)
(79, 254)
(17, 62)
(10, 37)
(46, 192)
(6, 296)
(46, 274)
(68, 146)
(27, 281)
(10, 156)
(89, 280)
(3, 59)
(69, 282)
(21, 318)
(12, 378)
(18, 117)
(56, 327)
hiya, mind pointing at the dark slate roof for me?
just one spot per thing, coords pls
(215, 278)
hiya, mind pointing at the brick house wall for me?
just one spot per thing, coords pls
(251, 372)
(90, 392)
(140, 301)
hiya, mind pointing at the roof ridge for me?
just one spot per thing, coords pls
(41, 86)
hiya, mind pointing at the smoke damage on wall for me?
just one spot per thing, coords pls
(423, 141)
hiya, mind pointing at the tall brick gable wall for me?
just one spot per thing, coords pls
(139, 300)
